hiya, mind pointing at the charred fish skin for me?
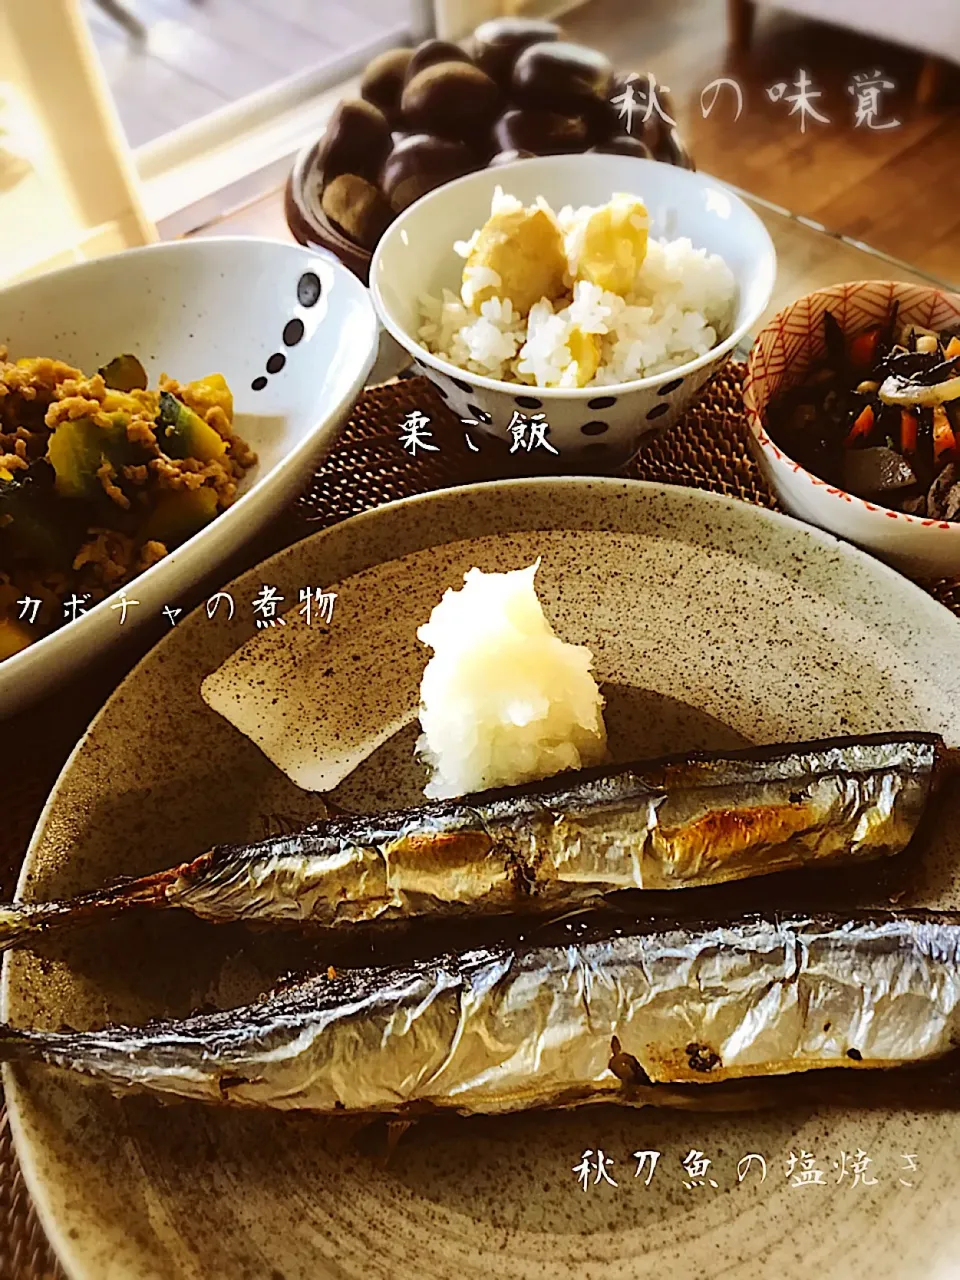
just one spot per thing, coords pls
(503, 1029)
(673, 823)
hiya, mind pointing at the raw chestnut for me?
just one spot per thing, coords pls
(622, 144)
(430, 53)
(451, 99)
(420, 163)
(357, 208)
(560, 76)
(382, 82)
(427, 116)
(498, 43)
(540, 133)
(357, 141)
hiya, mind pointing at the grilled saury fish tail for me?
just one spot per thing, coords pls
(625, 1018)
(664, 824)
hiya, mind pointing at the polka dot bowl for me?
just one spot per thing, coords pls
(781, 355)
(602, 423)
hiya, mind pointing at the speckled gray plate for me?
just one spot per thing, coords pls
(712, 623)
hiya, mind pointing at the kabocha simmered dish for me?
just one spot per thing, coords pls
(100, 478)
(880, 416)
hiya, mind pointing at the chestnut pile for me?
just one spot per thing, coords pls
(431, 114)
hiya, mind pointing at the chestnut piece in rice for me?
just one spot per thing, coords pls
(583, 297)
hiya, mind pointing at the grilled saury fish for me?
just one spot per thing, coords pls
(665, 824)
(620, 1018)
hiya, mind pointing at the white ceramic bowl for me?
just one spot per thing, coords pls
(186, 309)
(783, 352)
(416, 256)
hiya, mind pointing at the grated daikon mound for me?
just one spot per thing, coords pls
(503, 700)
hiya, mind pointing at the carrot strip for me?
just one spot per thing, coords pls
(908, 431)
(863, 349)
(944, 441)
(953, 348)
(862, 426)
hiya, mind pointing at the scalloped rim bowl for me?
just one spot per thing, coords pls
(782, 353)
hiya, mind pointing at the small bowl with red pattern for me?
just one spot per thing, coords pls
(852, 395)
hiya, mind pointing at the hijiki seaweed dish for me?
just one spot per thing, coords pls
(879, 416)
(100, 478)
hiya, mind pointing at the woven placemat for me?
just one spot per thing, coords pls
(368, 467)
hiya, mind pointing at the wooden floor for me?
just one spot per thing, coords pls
(897, 189)
(202, 54)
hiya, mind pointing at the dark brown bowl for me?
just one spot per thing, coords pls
(307, 221)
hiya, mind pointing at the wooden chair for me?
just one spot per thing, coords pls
(68, 186)
(937, 37)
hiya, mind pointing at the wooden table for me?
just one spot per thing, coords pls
(35, 744)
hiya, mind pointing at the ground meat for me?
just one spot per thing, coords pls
(37, 396)
(91, 398)
(150, 553)
(72, 407)
(106, 474)
(26, 390)
(181, 473)
(242, 454)
(189, 473)
(25, 444)
(108, 558)
(34, 378)
(142, 432)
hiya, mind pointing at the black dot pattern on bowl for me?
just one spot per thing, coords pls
(657, 411)
(308, 294)
(441, 391)
(481, 415)
(309, 289)
(292, 332)
(528, 402)
(669, 386)
(601, 402)
(464, 386)
(595, 428)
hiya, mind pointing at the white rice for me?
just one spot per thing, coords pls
(503, 700)
(681, 306)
